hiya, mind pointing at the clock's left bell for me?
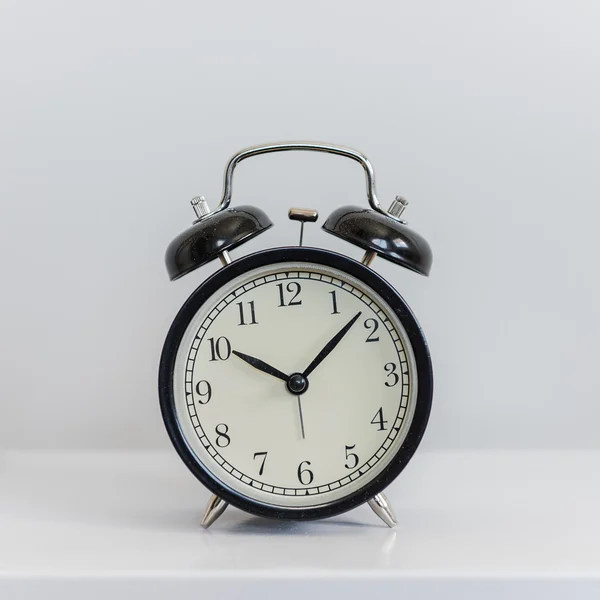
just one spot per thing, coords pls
(212, 235)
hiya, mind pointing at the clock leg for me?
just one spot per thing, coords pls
(214, 510)
(382, 508)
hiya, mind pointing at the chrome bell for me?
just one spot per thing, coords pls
(212, 235)
(382, 233)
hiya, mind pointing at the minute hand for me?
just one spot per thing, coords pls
(331, 344)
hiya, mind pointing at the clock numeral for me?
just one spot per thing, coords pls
(262, 464)
(374, 325)
(293, 287)
(305, 476)
(221, 349)
(223, 440)
(378, 420)
(205, 395)
(351, 457)
(390, 369)
(253, 320)
(335, 310)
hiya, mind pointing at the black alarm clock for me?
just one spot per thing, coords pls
(295, 382)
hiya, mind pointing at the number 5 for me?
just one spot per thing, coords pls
(350, 456)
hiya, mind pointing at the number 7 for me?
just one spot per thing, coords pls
(262, 466)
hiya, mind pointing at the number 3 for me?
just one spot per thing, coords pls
(390, 369)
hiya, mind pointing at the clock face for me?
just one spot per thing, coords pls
(293, 385)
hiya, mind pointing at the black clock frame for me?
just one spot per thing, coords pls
(366, 276)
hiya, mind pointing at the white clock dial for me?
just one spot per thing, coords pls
(246, 426)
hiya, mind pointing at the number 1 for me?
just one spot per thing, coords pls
(334, 300)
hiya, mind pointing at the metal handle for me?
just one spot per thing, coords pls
(312, 146)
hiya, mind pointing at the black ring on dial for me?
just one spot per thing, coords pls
(369, 278)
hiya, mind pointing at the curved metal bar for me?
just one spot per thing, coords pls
(311, 146)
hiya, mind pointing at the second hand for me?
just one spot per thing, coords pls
(301, 417)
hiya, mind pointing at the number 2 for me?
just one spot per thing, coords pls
(374, 325)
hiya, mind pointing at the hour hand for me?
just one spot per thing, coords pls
(261, 365)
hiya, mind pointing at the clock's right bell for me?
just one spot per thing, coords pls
(382, 233)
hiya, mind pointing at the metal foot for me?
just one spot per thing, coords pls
(214, 510)
(382, 508)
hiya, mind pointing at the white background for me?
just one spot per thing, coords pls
(483, 114)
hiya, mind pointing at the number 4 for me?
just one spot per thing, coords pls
(378, 420)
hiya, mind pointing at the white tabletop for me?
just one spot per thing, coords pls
(126, 525)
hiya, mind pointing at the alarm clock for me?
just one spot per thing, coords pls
(295, 382)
